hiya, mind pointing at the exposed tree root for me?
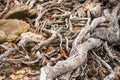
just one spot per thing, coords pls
(50, 72)
(67, 39)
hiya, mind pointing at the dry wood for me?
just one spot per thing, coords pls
(50, 72)
(66, 40)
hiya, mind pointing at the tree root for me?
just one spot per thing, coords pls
(111, 76)
(7, 53)
(50, 72)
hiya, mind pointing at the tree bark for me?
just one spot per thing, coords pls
(50, 72)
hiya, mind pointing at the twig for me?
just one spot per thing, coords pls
(47, 3)
(31, 3)
(61, 40)
(6, 8)
(39, 57)
(4, 47)
(79, 19)
(25, 62)
(110, 53)
(54, 35)
(66, 14)
(111, 76)
(7, 53)
(67, 48)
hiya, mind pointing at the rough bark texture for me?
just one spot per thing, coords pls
(50, 72)
(65, 39)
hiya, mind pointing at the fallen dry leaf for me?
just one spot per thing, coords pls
(48, 50)
(10, 44)
(63, 53)
(76, 28)
(50, 17)
(44, 62)
(86, 7)
(19, 74)
(30, 76)
(14, 69)
(41, 39)
(116, 77)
